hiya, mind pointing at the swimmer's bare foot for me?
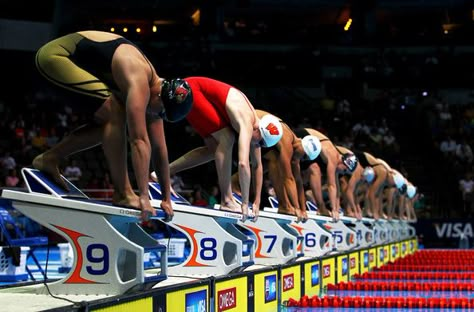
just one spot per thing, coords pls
(288, 211)
(325, 212)
(48, 164)
(131, 201)
(350, 213)
(303, 215)
(231, 206)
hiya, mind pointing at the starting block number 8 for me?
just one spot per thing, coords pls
(208, 249)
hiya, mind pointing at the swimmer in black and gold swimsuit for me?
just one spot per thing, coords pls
(109, 67)
(80, 64)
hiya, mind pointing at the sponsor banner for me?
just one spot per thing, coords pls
(372, 258)
(189, 300)
(231, 295)
(312, 278)
(380, 256)
(266, 291)
(290, 282)
(328, 272)
(386, 254)
(444, 233)
(403, 249)
(364, 261)
(354, 265)
(394, 252)
(342, 272)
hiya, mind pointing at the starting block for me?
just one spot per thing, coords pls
(344, 237)
(363, 230)
(406, 230)
(394, 229)
(381, 234)
(107, 241)
(317, 240)
(277, 242)
(217, 246)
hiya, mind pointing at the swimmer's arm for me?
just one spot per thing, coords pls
(136, 102)
(160, 157)
(257, 175)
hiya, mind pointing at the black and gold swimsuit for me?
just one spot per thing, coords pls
(80, 64)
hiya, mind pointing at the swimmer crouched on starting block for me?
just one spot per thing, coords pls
(221, 115)
(109, 67)
(282, 162)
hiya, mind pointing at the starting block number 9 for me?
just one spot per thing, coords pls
(97, 253)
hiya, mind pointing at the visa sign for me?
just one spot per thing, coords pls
(196, 301)
(450, 229)
(227, 299)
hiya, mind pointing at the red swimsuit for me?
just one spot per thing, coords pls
(208, 113)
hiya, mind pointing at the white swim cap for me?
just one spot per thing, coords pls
(399, 180)
(369, 174)
(311, 146)
(271, 130)
(411, 191)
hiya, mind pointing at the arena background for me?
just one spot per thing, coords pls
(402, 65)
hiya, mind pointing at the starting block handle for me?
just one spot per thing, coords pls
(160, 215)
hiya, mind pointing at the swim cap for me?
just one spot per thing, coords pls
(350, 161)
(271, 130)
(311, 146)
(411, 191)
(369, 174)
(177, 99)
(399, 180)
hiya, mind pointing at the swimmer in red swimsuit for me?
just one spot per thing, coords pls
(219, 112)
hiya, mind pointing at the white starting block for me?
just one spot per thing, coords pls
(317, 241)
(344, 238)
(217, 247)
(381, 233)
(406, 230)
(363, 230)
(277, 242)
(394, 228)
(108, 242)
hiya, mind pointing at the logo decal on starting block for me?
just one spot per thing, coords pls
(207, 246)
(315, 275)
(196, 301)
(345, 267)
(326, 270)
(76, 274)
(258, 248)
(227, 299)
(353, 262)
(288, 282)
(270, 288)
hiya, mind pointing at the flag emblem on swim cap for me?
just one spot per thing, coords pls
(181, 93)
(273, 129)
